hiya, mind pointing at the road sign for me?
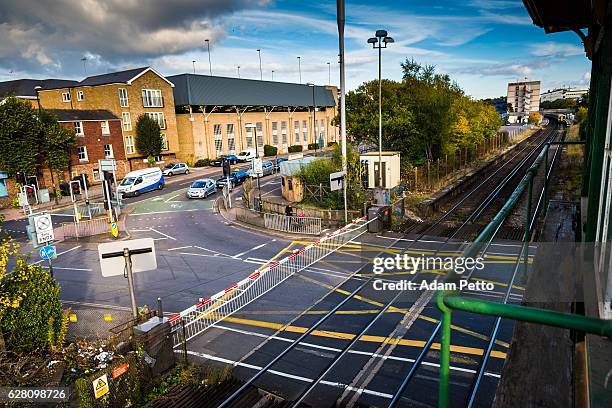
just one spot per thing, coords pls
(114, 229)
(100, 386)
(295, 156)
(140, 262)
(335, 180)
(44, 228)
(107, 165)
(48, 252)
(257, 166)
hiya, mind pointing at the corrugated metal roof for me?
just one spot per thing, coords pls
(25, 87)
(69, 115)
(293, 167)
(190, 89)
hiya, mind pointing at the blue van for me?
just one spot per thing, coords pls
(141, 181)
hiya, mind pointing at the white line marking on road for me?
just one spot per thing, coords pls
(282, 374)
(168, 212)
(217, 253)
(159, 239)
(60, 253)
(253, 249)
(140, 230)
(170, 199)
(69, 269)
(183, 247)
(253, 261)
(161, 233)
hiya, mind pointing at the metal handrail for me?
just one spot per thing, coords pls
(448, 300)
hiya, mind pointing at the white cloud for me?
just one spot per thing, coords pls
(553, 49)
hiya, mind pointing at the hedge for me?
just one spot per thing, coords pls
(313, 146)
(330, 144)
(202, 163)
(295, 148)
(270, 150)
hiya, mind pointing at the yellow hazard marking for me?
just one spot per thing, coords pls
(108, 318)
(73, 317)
(399, 310)
(364, 338)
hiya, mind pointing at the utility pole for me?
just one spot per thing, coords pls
(193, 62)
(238, 71)
(341, 21)
(260, 71)
(329, 73)
(300, 67)
(209, 63)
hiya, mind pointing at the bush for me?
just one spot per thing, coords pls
(313, 146)
(36, 321)
(202, 163)
(270, 150)
(331, 144)
(295, 148)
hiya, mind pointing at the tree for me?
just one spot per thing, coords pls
(149, 142)
(19, 137)
(534, 117)
(57, 142)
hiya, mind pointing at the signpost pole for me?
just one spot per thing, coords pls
(130, 278)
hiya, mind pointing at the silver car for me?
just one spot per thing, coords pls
(175, 168)
(202, 188)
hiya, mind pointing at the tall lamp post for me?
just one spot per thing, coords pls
(341, 20)
(209, 63)
(260, 71)
(300, 67)
(329, 73)
(314, 114)
(193, 62)
(380, 41)
(253, 128)
(238, 71)
(273, 75)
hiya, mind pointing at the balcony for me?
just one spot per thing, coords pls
(153, 101)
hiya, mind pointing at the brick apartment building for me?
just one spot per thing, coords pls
(127, 94)
(99, 137)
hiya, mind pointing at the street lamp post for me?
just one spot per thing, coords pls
(253, 128)
(209, 62)
(314, 115)
(273, 75)
(193, 62)
(341, 20)
(238, 71)
(260, 71)
(379, 42)
(300, 67)
(329, 73)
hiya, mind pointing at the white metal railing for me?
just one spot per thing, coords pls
(207, 312)
(295, 224)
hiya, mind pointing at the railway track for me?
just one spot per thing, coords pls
(460, 221)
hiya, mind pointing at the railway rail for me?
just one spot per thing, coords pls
(460, 221)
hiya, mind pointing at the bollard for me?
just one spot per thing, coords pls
(160, 310)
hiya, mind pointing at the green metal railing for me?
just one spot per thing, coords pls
(447, 301)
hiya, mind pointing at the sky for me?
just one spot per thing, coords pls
(482, 44)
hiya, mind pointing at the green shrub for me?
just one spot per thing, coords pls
(313, 146)
(36, 322)
(202, 163)
(331, 144)
(295, 148)
(270, 150)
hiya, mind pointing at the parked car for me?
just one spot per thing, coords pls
(202, 188)
(141, 181)
(218, 162)
(267, 169)
(236, 178)
(246, 155)
(175, 168)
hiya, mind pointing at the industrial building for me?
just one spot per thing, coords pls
(523, 98)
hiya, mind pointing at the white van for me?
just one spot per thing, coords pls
(246, 155)
(141, 181)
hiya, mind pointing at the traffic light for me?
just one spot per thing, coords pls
(226, 168)
(20, 178)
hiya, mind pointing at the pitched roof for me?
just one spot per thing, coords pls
(191, 89)
(25, 87)
(112, 77)
(71, 115)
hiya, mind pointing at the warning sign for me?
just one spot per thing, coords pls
(100, 386)
(120, 370)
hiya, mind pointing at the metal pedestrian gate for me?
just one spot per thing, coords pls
(296, 224)
(206, 313)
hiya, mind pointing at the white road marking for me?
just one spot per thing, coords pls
(252, 249)
(161, 233)
(69, 269)
(168, 212)
(140, 230)
(214, 252)
(176, 249)
(363, 353)
(170, 199)
(59, 253)
(159, 239)
(283, 374)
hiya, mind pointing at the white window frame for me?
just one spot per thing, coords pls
(105, 128)
(296, 131)
(128, 142)
(305, 131)
(94, 172)
(123, 98)
(259, 135)
(127, 125)
(231, 138)
(66, 96)
(165, 144)
(284, 132)
(78, 128)
(80, 95)
(275, 133)
(158, 117)
(218, 138)
(152, 98)
(83, 152)
(112, 154)
(249, 136)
